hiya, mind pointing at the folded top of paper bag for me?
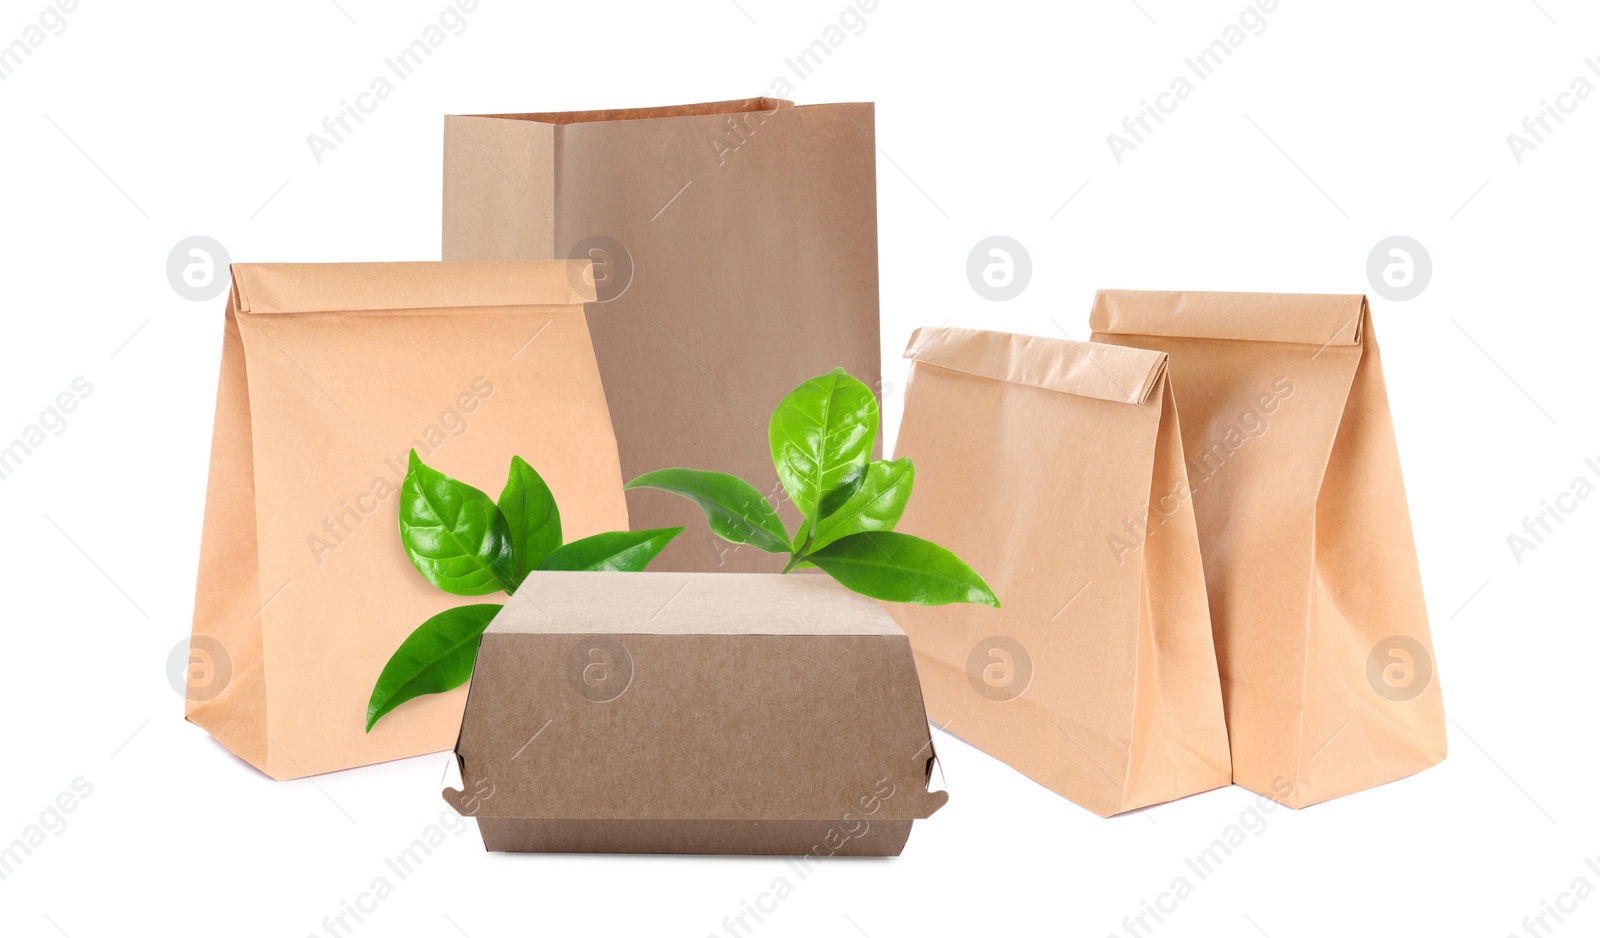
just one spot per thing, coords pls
(410, 285)
(1087, 369)
(1303, 318)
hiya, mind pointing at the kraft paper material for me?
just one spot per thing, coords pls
(1316, 598)
(331, 374)
(736, 248)
(1053, 468)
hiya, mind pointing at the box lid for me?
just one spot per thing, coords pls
(694, 696)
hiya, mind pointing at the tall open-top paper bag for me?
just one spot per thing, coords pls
(331, 374)
(1053, 467)
(1316, 597)
(736, 254)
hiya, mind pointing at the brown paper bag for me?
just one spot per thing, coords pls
(331, 373)
(1316, 598)
(736, 252)
(1053, 468)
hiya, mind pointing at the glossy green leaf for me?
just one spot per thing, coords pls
(821, 437)
(876, 506)
(618, 551)
(437, 657)
(903, 569)
(735, 509)
(532, 517)
(454, 533)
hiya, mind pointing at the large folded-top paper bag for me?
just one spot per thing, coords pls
(331, 374)
(1316, 598)
(736, 255)
(1053, 468)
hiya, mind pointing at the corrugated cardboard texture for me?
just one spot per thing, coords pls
(1043, 463)
(330, 375)
(752, 229)
(1310, 561)
(735, 713)
(877, 838)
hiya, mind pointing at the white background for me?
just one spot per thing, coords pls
(1338, 126)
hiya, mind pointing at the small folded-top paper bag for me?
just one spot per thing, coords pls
(1053, 468)
(331, 374)
(1316, 597)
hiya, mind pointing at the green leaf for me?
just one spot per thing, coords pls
(821, 436)
(618, 551)
(902, 569)
(735, 509)
(532, 517)
(876, 506)
(836, 497)
(437, 657)
(454, 534)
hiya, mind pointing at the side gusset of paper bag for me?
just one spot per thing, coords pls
(1254, 442)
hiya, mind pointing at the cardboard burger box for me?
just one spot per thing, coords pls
(694, 713)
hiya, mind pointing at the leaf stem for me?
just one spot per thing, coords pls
(798, 555)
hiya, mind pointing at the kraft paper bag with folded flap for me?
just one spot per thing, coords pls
(331, 374)
(1316, 597)
(736, 252)
(1054, 468)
